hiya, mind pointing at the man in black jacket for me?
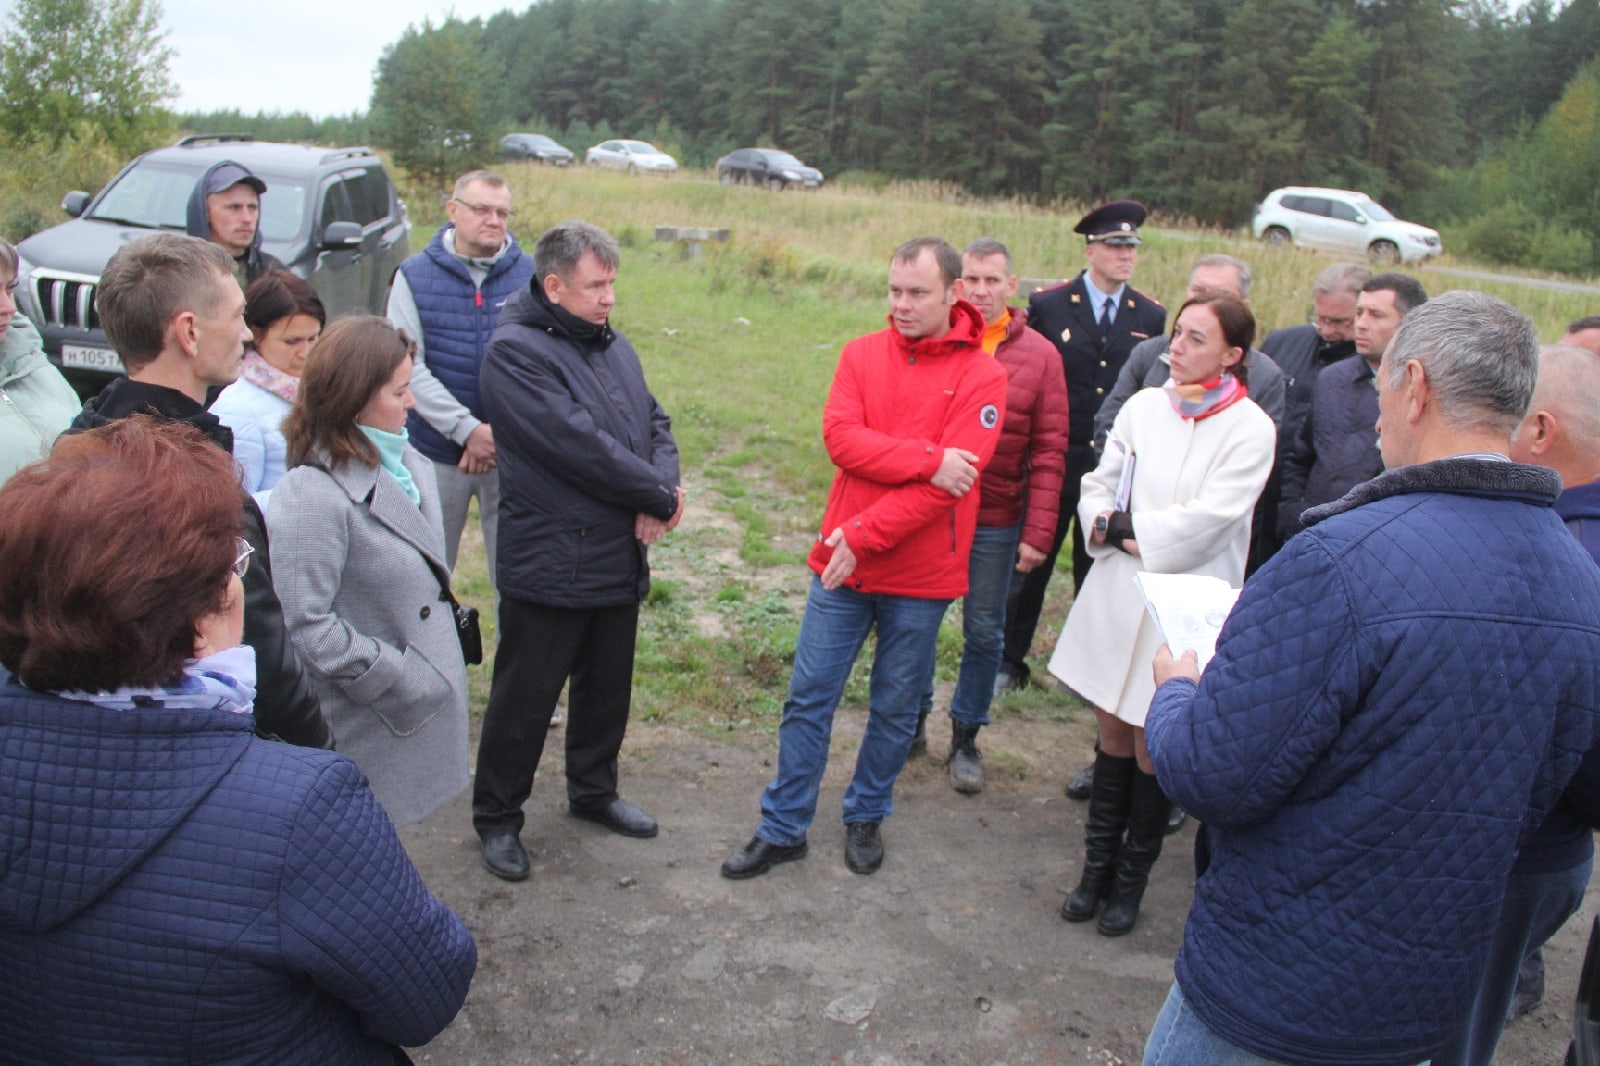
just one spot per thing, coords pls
(588, 480)
(173, 312)
(1336, 446)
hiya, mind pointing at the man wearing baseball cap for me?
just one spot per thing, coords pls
(225, 209)
(1094, 321)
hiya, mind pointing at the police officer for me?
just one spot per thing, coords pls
(1094, 320)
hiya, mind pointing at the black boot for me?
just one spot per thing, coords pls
(1147, 828)
(1109, 805)
(919, 739)
(965, 763)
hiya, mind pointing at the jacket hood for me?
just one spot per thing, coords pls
(125, 397)
(966, 331)
(198, 223)
(1463, 476)
(90, 793)
(21, 350)
(530, 308)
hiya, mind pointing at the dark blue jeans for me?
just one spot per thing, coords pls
(835, 625)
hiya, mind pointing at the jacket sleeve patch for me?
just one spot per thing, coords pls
(989, 416)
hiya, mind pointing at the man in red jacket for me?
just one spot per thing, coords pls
(913, 415)
(1018, 497)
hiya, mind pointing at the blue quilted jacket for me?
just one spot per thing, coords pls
(1396, 703)
(175, 890)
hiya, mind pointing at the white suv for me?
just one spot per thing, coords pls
(1339, 220)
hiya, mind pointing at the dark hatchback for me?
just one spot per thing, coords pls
(767, 166)
(330, 214)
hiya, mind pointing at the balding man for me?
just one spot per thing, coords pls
(1396, 703)
(1562, 432)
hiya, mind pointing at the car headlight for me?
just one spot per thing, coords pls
(791, 175)
(1418, 238)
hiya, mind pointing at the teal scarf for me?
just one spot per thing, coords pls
(391, 446)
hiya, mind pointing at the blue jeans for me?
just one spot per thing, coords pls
(835, 625)
(1535, 907)
(983, 624)
(1180, 1038)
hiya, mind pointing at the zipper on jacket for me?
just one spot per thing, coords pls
(6, 396)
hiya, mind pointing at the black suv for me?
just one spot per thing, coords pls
(330, 214)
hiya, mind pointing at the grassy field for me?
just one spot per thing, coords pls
(739, 347)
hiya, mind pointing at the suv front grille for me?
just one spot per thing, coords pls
(65, 299)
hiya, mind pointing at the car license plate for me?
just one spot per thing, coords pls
(80, 357)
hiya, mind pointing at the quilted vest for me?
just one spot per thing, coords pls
(458, 319)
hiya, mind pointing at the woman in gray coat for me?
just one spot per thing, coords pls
(358, 560)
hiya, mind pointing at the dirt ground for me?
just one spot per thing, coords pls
(625, 951)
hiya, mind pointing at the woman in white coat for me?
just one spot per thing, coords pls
(1201, 451)
(358, 560)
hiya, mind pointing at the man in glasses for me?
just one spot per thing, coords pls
(1336, 446)
(448, 298)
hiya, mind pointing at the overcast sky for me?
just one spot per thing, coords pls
(290, 55)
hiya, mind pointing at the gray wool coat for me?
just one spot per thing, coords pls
(356, 564)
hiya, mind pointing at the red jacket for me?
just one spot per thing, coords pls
(1030, 460)
(893, 408)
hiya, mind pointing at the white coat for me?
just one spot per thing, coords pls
(1194, 489)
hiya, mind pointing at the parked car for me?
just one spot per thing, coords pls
(1340, 220)
(634, 157)
(767, 166)
(330, 214)
(536, 147)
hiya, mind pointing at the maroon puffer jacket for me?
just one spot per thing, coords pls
(1030, 460)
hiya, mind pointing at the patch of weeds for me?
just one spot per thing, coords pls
(661, 591)
(1006, 764)
(731, 594)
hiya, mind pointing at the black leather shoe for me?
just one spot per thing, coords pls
(1082, 784)
(1176, 819)
(503, 855)
(863, 847)
(1012, 677)
(759, 856)
(620, 816)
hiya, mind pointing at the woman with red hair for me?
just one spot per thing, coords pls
(173, 888)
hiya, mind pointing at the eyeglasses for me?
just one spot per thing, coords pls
(504, 214)
(241, 562)
(1324, 322)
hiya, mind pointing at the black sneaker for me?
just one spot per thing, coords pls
(863, 848)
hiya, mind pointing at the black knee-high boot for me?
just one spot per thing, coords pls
(1110, 803)
(1147, 828)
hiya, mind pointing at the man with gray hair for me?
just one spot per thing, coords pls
(589, 479)
(1395, 704)
(448, 298)
(1335, 447)
(1302, 351)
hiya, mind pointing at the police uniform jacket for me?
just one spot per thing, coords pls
(1066, 316)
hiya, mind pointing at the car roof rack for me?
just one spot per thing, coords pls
(206, 138)
(345, 153)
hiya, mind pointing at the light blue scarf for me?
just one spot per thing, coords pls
(391, 446)
(225, 681)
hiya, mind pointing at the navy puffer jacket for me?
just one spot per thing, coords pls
(1397, 701)
(175, 890)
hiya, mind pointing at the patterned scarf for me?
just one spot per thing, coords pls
(262, 374)
(225, 681)
(1207, 398)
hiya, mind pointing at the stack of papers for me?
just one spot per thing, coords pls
(1188, 609)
